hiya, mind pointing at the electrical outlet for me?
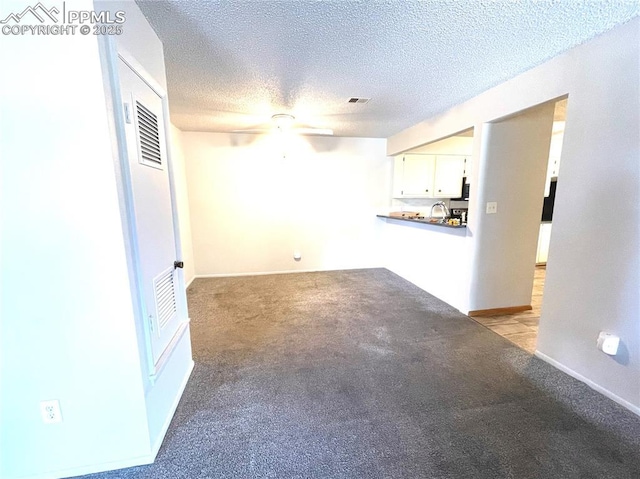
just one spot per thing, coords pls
(492, 207)
(608, 343)
(50, 411)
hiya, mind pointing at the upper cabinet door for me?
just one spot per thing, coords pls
(418, 176)
(398, 170)
(449, 171)
(428, 176)
(467, 168)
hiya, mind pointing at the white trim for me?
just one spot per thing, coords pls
(264, 273)
(165, 427)
(190, 281)
(109, 57)
(168, 351)
(260, 273)
(103, 467)
(168, 138)
(605, 392)
(139, 70)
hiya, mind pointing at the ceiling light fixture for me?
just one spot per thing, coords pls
(283, 121)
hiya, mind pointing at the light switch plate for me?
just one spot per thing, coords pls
(492, 207)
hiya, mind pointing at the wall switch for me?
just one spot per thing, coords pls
(608, 343)
(492, 207)
(50, 411)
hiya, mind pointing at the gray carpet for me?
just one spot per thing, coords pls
(360, 374)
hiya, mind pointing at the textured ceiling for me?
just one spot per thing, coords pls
(232, 64)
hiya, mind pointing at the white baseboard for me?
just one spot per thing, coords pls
(264, 273)
(165, 427)
(259, 273)
(81, 471)
(605, 392)
(190, 281)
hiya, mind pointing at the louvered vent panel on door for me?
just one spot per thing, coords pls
(148, 136)
(165, 297)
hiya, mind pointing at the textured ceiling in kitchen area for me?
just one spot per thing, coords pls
(232, 64)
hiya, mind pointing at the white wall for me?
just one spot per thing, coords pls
(251, 208)
(138, 38)
(512, 174)
(592, 281)
(182, 197)
(67, 329)
(454, 145)
(434, 258)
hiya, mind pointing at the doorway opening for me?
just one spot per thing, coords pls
(521, 328)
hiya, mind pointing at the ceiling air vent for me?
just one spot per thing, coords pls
(354, 99)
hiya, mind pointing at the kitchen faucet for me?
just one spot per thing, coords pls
(443, 207)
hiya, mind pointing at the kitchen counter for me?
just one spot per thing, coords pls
(421, 221)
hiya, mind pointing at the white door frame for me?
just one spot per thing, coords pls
(110, 54)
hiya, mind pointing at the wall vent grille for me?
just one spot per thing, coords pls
(165, 297)
(148, 135)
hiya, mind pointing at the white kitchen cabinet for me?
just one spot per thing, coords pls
(553, 165)
(552, 172)
(418, 176)
(413, 176)
(544, 238)
(428, 176)
(398, 171)
(466, 172)
(448, 175)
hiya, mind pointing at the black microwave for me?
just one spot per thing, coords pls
(465, 191)
(547, 206)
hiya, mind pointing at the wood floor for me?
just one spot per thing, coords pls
(520, 328)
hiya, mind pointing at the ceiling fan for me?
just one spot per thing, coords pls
(284, 122)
